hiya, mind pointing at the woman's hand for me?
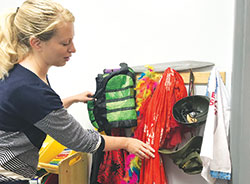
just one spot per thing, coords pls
(84, 97)
(81, 97)
(139, 148)
(132, 145)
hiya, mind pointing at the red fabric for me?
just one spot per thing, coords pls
(158, 127)
(112, 169)
(52, 179)
(138, 133)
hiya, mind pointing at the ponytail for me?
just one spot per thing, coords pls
(8, 43)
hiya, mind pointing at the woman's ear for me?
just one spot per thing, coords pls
(35, 43)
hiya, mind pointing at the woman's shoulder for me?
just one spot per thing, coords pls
(23, 87)
(22, 76)
(22, 81)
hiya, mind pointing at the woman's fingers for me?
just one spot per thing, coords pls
(145, 151)
(140, 148)
(142, 155)
(147, 146)
(148, 151)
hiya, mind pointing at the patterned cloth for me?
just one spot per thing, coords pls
(112, 168)
(215, 154)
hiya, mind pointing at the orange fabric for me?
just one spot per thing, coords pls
(157, 125)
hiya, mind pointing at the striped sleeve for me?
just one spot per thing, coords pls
(60, 125)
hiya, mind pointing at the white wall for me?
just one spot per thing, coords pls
(142, 32)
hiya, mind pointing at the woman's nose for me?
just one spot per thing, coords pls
(72, 48)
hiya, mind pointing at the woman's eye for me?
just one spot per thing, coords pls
(65, 44)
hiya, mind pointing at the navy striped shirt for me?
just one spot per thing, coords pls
(30, 109)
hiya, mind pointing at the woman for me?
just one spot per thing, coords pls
(32, 39)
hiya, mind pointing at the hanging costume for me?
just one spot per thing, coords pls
(112, 167)
(158, 125)
(145, 88)
(113, 105)
(215, 153)
(191, 112)
(112, 110)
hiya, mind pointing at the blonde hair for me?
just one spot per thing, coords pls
(35, 18)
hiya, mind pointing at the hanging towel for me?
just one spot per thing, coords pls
(215, 153)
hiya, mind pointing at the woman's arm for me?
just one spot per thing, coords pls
(132, 145)
(82, 97)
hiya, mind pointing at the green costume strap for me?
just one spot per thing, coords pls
(187, 158)
(192, 164)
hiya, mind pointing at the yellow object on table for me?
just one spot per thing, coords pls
(71, 170)
(50, 149)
